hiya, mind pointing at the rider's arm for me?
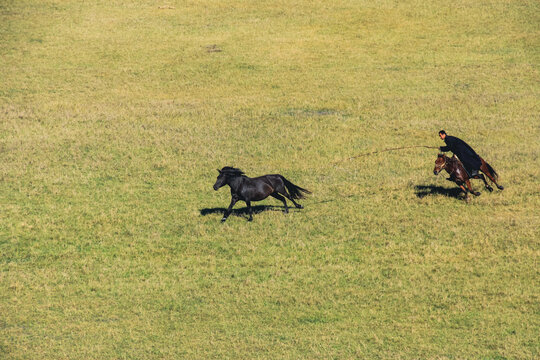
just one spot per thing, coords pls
(444, 148)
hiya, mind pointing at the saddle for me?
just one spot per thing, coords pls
(471, 173)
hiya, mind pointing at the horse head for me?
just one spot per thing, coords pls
(221, 180)
(225, 174)
(440, 163)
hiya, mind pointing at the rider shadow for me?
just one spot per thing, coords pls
(242, 212)
(422, 191)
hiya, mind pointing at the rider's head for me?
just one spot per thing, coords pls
(442, 134)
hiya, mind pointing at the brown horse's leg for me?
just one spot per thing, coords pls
(486, 171)
(481, 176)
(476, 193)
(465, 191)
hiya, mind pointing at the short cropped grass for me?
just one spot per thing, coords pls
(114, 116)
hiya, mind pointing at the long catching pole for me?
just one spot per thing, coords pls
(385, 150)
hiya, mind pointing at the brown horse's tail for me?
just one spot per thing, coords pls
(295, 191)
(491, 170)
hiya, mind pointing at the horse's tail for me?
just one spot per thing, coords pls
(491, 170)
(295, 191)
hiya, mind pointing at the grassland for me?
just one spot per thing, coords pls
(114, 116)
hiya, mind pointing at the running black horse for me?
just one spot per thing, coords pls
(256, 189)
(457, 172)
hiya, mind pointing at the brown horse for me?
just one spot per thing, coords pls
(457, 172)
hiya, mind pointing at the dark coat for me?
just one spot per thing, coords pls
(465, 153)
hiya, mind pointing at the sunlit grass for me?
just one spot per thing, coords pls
(115, 115)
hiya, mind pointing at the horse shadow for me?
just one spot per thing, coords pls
(422, 191)
(242, 212)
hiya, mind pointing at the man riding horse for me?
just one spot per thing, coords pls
(468, 157)
(467, 167)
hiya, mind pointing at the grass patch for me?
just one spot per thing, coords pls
(115, 115)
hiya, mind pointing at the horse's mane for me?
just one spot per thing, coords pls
(231, 171)
(452, 158)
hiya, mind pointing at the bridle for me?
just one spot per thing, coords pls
(443, 166)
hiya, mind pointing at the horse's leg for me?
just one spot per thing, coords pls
(486, 171)
(465, 191)
(298, 206)
(481, 176)
(234, 199)
(492, 178)
(281, 198)
(281, 189)
(469, 186)
(250, 210)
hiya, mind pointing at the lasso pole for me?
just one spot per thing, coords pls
(385, 150)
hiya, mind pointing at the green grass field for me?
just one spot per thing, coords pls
(114, 116)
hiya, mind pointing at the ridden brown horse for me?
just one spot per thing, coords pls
(457, 172)
(255, 189)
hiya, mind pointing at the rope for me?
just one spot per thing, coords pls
(385, 150)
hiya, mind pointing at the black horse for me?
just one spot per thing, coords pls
(256, 189)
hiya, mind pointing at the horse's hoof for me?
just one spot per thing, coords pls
(223, 220)
(477, 193)
(299, 206)
(490, 189)
(500, 187)
(250, 219)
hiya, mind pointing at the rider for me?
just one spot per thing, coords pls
(468, 157)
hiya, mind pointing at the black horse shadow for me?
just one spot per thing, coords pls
(425, 190)
(242, 212)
